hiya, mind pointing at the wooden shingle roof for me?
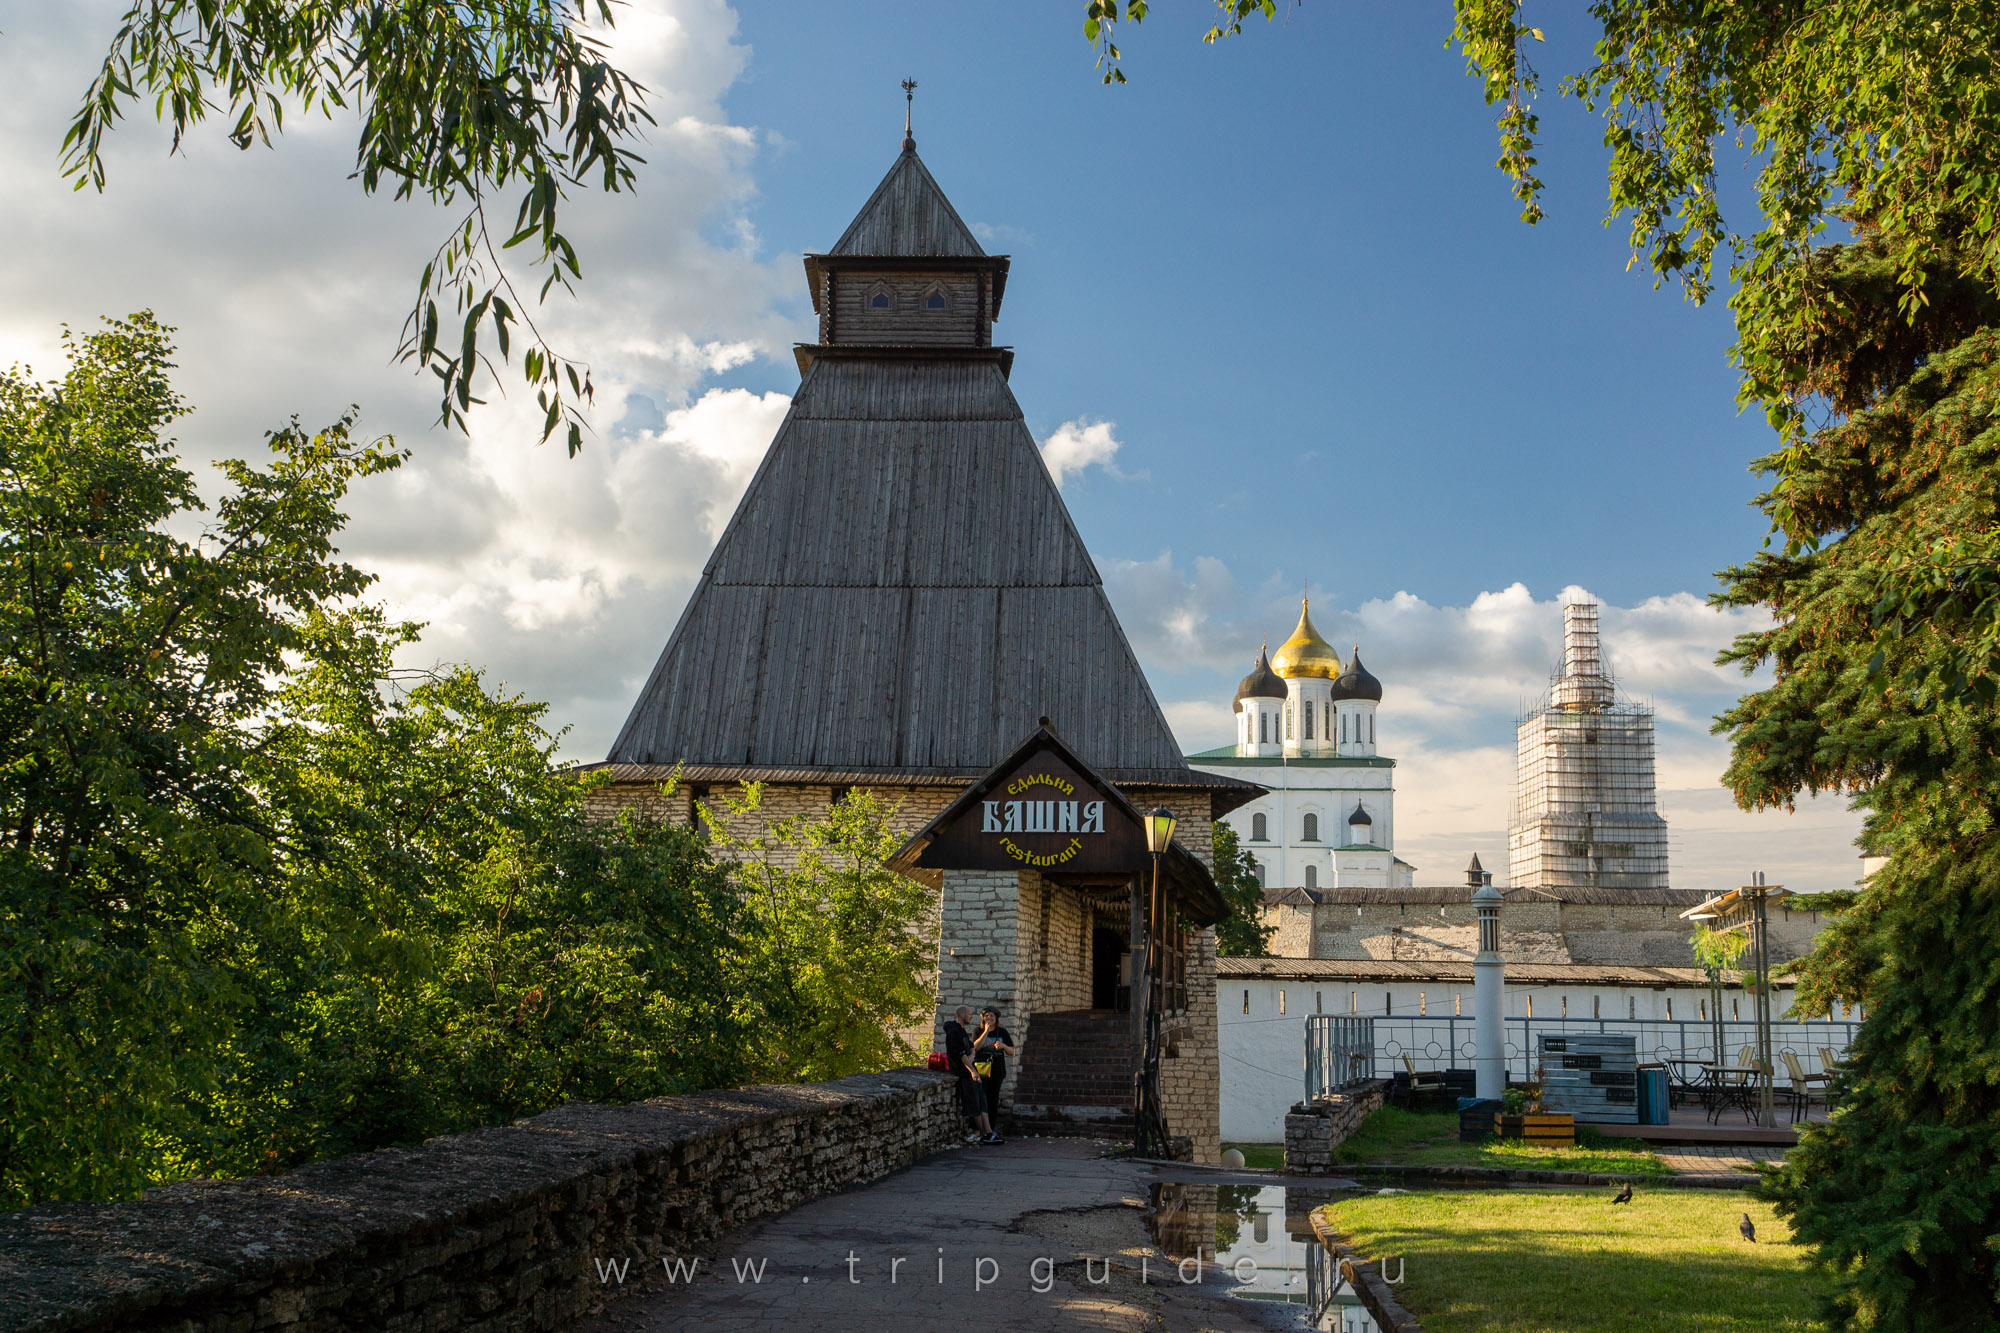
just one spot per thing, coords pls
(901, 588)
(907, 215)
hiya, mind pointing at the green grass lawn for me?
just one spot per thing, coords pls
(1430, 1138)
(1261, 1156)
(1568, 1261)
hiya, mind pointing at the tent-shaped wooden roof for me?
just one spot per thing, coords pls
(901, 591)
(907, 215)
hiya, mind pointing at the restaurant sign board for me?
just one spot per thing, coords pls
(1042, 813)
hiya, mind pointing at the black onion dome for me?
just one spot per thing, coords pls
(1262, 682)
(1356, 682)
(1360, 816)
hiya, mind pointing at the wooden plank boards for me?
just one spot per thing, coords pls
(909, 319)
(907, 215)
(905, 678)
(922, 495)
(900, 587)
(1782, 1136)
(1591, 1075)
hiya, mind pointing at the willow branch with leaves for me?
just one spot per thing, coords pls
(460, 102)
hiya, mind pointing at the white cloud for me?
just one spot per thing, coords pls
(561, 576)
(1083, 443)
(1003, 234)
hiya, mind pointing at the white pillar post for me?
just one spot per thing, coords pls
(1488, 998)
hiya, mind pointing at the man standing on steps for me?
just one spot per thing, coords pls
(971, 1095)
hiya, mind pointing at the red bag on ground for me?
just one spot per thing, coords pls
(937, 1063)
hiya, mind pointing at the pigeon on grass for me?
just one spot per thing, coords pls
(1748, 1228)
(1624, 1195)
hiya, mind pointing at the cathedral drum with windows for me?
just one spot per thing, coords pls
(1305, 730)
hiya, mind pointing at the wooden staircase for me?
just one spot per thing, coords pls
(1076, 1075)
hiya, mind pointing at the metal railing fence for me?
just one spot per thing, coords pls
(1447, 1042)
(1340, 1053)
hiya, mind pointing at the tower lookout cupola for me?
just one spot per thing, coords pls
(906, 274)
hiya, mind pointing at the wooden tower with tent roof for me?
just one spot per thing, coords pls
(899, 601)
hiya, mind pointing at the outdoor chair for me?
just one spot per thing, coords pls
(1804, 1094)
(1419, 1083)
(1827, 1063)
(1735, 1091)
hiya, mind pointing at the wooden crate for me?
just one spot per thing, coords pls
(1545, 1128)
(1592, 1075)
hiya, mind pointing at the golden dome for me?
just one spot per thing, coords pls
(1306, 653)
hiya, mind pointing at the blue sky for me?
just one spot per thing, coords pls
(1285, 266)
(1271, 300)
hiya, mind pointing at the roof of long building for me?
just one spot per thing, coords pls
(1445, 895)
(1442, 970)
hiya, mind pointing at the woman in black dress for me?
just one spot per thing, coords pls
(990, 1050)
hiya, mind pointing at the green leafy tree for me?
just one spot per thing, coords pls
(841, 952)
(265, 898)
(463, 944)
(135, 665)
(1243, 933)
(463, 104)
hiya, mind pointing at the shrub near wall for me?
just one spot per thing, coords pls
(494, 1231)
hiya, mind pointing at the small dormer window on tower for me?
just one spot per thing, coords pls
(935, 299)
(881, 298)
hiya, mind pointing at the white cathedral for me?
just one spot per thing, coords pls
(1305, 729)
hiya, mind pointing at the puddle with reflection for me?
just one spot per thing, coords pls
(1259, 1241)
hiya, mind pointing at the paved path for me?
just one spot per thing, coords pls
(1716, 1161)
(989, 1214)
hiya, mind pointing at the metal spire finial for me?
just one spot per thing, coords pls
(909, 102)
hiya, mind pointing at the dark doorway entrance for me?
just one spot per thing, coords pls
(1106, 947)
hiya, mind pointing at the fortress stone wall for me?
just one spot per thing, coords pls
(507, 1230)
(1421, 925)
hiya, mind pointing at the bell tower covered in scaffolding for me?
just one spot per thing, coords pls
(1584, 811)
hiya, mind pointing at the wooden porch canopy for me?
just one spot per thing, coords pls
(1042, 808)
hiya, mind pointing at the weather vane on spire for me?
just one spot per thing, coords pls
(909, 101)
